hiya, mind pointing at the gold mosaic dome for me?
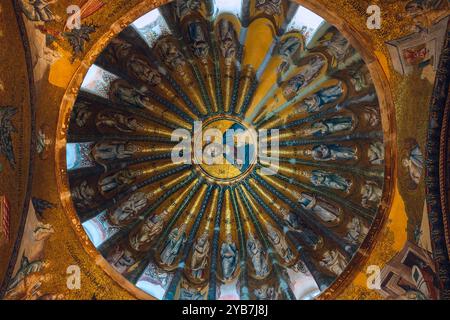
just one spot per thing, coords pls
(228, 150)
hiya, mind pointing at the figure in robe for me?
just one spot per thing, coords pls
(109, 151)
(117, 121)
(26, 268)
(117, 181)
(118, 50)
(190, 294)
(38, 10)
(121, 260)
(229, 257)
(184, 7)
(174, 244)
(356, 231)
(122, 91)
(333, 152)
(372, 116)
(173, 58)
(141, 70)
(329, 126)
(338, 46)
(266, 292)
(322, 209)
(288, 47)
(290, 218)
(371, 194)
(298, 228)
(83, 195)
(334, 261)
(81, 114)
(128, 210)
(322, 178)
(197, 38)
(130, 96)
(286, 51)
(317, 101)
(294, 85)
(269, 7)
(280, 244)
(376, 153)
(200, 257)
(156, 276)
(30, 289)
(151, 228)
(27, 282)
(414, 164)
(361, 79)
(228, 42)
(258, 256)
(304, 78)
(300, 267)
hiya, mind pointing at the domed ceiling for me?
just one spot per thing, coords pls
(227, 150)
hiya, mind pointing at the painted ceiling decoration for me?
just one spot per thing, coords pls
(197, 230)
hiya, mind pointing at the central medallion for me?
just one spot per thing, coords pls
(225, 149)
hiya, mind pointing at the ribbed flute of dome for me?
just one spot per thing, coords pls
(193, 93)
(227, 85)
(269, 123)
(283, 135)
(186, 77)
(175, 99)
(167, 116)
(245, 91)
(208, 70)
